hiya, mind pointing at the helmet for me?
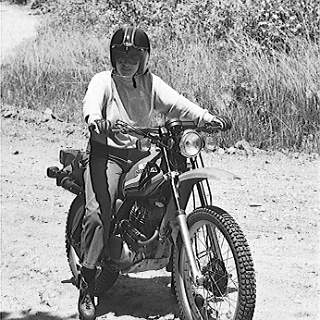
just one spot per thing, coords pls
(130, 41)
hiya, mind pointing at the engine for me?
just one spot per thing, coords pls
(143, 220)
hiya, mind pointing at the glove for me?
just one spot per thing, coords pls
(223, 122)
(100, 126)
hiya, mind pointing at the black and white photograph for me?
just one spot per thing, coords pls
(160, 160)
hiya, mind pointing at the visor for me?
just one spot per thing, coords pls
(132, 50)
(125, 45)
(130, 54)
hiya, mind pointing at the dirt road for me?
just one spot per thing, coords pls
(276, 203)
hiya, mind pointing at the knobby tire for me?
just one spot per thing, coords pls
(236, 240)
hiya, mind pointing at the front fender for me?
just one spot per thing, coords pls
(195, 175)
(188, 179)
(186, 182)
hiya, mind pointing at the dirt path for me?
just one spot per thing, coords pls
(276, 203)
(16, 26)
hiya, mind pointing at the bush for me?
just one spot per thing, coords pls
(270, 22)
(224, 55)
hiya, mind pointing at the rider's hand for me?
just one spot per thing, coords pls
(100, 126)
(223, 122)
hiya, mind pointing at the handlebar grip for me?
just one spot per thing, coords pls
(211, 127)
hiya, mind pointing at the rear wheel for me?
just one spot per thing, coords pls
(106, 274)
(224, 258)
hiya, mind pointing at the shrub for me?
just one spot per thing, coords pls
(224, 55)
(270, 22)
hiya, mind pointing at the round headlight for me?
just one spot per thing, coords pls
(190, 144)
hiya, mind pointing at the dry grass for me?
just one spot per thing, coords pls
(273, 100)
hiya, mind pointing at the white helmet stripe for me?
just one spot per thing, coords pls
(132, 35)
(128, 37)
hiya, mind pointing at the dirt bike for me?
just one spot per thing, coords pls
(164, 217)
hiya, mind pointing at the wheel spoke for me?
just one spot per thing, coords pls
(223, 301)
(219, 295)
(236, 284)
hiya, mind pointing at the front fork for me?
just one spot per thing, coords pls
(184, 231)
(197, 276)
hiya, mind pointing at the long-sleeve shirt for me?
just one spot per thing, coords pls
(113, 98)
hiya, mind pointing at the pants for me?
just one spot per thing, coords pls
(101, 179)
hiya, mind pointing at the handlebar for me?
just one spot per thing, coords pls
(126, 129)
(153, 133)
(209, 127)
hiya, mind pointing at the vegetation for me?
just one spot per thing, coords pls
(256, 61)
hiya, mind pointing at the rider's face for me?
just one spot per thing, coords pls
(127, 67)
(127, 60)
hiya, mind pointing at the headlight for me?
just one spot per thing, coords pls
(190, 144)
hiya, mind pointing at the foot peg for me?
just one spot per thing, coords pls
(72, 280)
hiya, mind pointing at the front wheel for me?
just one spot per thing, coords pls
(223, 256)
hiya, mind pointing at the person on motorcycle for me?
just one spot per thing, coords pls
(129, 92)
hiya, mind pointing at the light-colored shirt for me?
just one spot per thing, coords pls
(113, 98)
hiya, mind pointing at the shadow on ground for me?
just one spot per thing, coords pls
(138, 297)
(25, 315)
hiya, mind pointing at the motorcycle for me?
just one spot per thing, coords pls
(164, 217)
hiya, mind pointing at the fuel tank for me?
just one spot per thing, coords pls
(153, 178)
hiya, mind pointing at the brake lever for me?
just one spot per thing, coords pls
(210, 128)
(120, 126)
(125, 128)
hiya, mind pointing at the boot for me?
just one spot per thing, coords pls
(86, 307)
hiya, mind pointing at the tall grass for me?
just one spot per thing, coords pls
(273, 100)
(53, 72)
